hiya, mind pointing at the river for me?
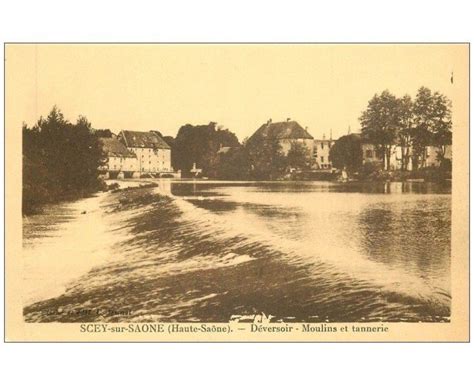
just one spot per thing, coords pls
(212, 251)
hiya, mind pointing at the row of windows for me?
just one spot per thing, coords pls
(156, 170)
(138, 150)
(163, 158)
(149, 162)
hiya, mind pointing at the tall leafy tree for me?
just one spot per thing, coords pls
(298, 156)
(233, 165)
(199, 145)
(346, 153)
(380, 123)
(432, 123)
(266, 158)
(405, 113)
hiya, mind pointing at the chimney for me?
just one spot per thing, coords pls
(288, 119)
(330, 135)
(269, 121)
(324, 136)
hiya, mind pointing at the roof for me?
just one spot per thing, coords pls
(114, 148)
(143, 139)
(282, 130)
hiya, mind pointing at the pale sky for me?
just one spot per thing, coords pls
(143, 87)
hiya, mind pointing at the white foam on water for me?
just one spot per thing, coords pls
(75, 247)
(316, 247)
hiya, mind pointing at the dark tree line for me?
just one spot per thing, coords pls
(60, 160)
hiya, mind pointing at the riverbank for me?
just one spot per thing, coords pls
(428, 175)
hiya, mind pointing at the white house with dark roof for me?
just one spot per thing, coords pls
(120, 161)
(286, 133)
(152, 152)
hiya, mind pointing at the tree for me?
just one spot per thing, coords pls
(298, 156)
(381, 123)
(346, 153)
(266, 158)
(103, 133)
(199, 145)
(405, 114)
(60, 159)
(432, 123)
(233, 165)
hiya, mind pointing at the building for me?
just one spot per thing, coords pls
(286, 133)
(432, 155)
(120, 162)
(321, 153)
(370, 155)
(152, 152)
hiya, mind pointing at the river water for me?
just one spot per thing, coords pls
(212, 251)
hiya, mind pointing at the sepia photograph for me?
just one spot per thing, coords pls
(237, 191)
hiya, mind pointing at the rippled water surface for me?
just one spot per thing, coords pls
(207, 251)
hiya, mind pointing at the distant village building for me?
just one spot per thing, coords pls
(136, 154)
(153, 153)
(120, 162)
(321, 151)
(286, 133)
(432, 153)
(370, 154)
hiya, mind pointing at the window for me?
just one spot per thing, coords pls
(322, 159)
(368, 153)
(322, 145)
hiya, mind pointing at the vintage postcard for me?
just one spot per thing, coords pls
(237, 192)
